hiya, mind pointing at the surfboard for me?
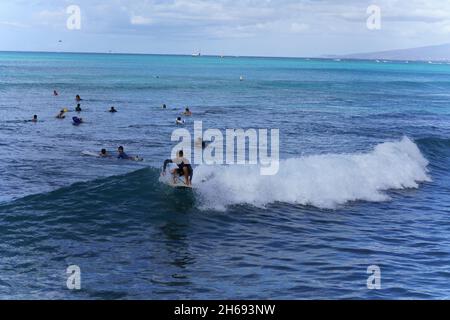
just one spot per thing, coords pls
(90, 154)
(136, 158)
(97, 155)
(178, 184)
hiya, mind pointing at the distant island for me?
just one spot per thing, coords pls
(429, 53)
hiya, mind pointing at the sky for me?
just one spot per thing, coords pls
(297, 28)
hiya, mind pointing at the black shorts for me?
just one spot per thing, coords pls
(180, 171)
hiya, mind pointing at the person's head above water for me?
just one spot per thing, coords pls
(103, 151)
(164, 106)
(179, 119)
(180, 153)
(120, 149)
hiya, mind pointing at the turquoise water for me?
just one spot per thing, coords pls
(363, 179)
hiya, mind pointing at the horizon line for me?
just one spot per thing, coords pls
(326, 57)
(163, 54)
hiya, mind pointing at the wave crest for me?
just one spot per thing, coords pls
(323, 181)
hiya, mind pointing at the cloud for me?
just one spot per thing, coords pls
(140, 20)
(246, 16)
(13, 24)
(328, 25)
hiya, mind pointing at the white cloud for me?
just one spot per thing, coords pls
(53, 18)
(140, 20)
(13, 24)
(327, 24)
(51, 14)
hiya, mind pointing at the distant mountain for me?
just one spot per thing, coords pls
(430, 53)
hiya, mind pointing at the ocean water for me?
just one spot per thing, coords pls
(363, 179)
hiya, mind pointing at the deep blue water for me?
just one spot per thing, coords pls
(363, 180)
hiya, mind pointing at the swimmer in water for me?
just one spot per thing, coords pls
(78, 108)
(78, 98)
(61, 114)
(104, 154)
(164, 106)
(35, 119)
(187, 112)
(55, 93)
(77, 121)
(112, 110)
(200, 143)
(179, 121)
(122, 154)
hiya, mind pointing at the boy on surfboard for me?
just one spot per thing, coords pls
(183, 168)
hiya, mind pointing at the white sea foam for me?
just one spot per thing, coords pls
(323, 181)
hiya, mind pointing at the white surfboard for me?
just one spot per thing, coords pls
(136, 158)
(90, 154)
(178, 183)
(97, 155)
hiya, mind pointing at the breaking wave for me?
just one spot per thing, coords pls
(323, 181)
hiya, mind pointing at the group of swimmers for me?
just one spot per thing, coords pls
(76, 120)
(178, 167)
(62, 113)
(179, 121)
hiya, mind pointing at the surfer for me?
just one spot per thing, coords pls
(183, 168)
(179, 121)
(164, 106)
(78, 108)
(55, 93)
(61, 114)
(187, 112)
(78, 98)
(35, 119)
(122, 154)
(199, 142)
(77, 121)
(112, 110)
(104, 154)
